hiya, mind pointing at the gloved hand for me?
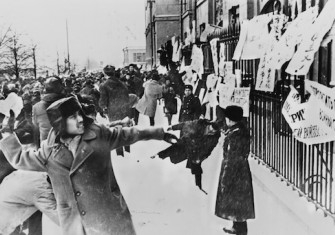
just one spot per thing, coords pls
(170, 138)
(8, 125)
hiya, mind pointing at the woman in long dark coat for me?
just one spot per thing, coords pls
(235, 199)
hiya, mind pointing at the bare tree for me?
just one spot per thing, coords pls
(4, 37)
(16, 56)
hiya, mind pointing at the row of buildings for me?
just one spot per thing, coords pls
(308, 169)
(168, 18)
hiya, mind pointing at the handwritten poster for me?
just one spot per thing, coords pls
(265, 80)
(285, 48)
(229, 95)
(311, 122)
(241, 97)
(325, 108)
(225, 93)
(241, 40)
(214, 50)
(197, 63)
(304, 57)
(225, 67)
(253, 47)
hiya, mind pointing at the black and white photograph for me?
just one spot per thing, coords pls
(167, 117)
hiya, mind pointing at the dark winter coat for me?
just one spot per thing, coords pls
(235, 198)
(177, 82)
(114, 96)
(148, 103)
(134, 85)
(170, 102)
(89, 201)
(190, 108)
(195, 144)
(39, 114)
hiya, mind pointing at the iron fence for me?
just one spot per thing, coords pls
(310, 170)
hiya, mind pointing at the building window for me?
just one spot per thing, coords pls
(139, 57)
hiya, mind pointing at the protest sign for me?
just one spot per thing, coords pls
(225, 67)
(241, 40)
(311, 122)
(325, 99)
(285, 48)
(214, 50)
(229, 95)
(304, 57)
(255, 42)
(265, 80)
(225, 93)
(197, 63)
(241, 97)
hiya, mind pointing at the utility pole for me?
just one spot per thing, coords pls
(151, 34)
(34, 59)
(57, 63)
(68, 50)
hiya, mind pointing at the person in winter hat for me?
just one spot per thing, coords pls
(235, 198)
(148, 103)
(54, 90)
(114, 99)
(76, 156)
(190, 108)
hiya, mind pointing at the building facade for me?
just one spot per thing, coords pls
(133, 55)
(162, 23)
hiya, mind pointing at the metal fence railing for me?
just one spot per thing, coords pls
(308, 169)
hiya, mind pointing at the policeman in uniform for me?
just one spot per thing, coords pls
(191, 107)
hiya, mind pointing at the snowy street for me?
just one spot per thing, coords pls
(164, 200)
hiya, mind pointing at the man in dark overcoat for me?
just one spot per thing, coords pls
(235, 198)
(114, 96)
(76, 156)
(114, 99)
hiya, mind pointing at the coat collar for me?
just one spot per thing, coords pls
(89, 135)
(84, 150)
(233, 128)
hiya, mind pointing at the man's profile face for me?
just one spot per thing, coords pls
(75, 124)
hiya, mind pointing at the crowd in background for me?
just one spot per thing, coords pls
(112, 94)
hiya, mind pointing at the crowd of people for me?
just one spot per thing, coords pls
(55, 156)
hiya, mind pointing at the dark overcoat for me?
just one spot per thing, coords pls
(190, 108)
(88, 197)
(114, 96)
(235, 198)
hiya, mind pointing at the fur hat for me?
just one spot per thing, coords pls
(61, 109)
(109, 70)
(234, 113)
(54, 85)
